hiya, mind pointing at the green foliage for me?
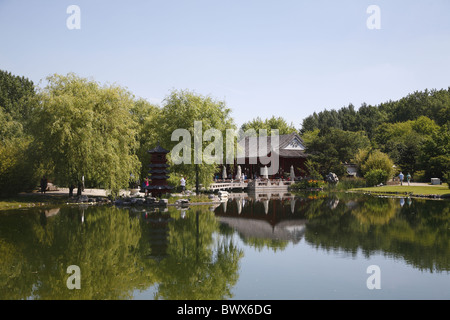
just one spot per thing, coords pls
(346, 183)
(376, 176)
(180, 111)
(146, 116)
(333, 147)
(17, 173)
(447, 178)
(82, 128)
(413, 131)
(268, 124)
(16, 96)
(419, 176)
(17, 167)
(312, 170)
(373, 160)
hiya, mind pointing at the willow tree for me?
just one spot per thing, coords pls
(83, 129)
(184, 109)
(278, 123)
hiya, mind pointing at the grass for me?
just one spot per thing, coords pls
(31, 200)
(440, 190)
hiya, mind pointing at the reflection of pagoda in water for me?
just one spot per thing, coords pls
(157, 225)
(159, 172)
(264, 218)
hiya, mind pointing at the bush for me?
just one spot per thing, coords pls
(376, 176)
(420, 176)
(17, 173)
(307, 184)
(447, 178)
(377, 160)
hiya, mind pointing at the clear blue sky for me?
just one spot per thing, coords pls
(264, 58)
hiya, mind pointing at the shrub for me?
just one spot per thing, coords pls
(17, 172)
(420, 176)
(307, 184)
(447, 178)
(378, 160)
(376, 176)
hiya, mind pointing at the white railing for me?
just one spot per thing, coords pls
(242, 184)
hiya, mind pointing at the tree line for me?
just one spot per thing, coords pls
(411, 135)
(76, 129)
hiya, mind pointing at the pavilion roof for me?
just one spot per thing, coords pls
(289, 146)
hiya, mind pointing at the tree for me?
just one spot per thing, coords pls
(180, 110)
(370, 160)
(17, 170)
(278, 123)
(147, 117)
(16, 96)
(84, 129)
(331, 149)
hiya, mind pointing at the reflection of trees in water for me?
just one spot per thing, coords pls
(115, 255)
(102, 246)
(418, 233)
(197, 258)
(198, 265)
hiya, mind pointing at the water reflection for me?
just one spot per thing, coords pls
(192, 253)
(417, 231)
(118, 252)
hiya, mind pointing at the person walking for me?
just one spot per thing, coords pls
(408, 178)
(401, 177)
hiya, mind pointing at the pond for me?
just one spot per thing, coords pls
(312, 246)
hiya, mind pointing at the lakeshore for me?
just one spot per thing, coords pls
(100, 196)
(419, 190)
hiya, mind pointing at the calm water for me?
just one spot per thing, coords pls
(307, 247)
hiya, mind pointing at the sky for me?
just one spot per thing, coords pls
(284, 58)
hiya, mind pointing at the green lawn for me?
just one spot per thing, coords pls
(441, 190)
(31, 200)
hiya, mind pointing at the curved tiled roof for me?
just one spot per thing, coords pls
(289, 146)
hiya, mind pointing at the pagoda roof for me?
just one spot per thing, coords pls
(158, 149)
(159, 171)
(158, 165)
(159, 187)
(159, 177)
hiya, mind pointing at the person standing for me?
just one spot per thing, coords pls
(408, 178)
(183, 184)
(146, 184)
(44, 183)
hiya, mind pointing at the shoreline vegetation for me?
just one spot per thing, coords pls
(423, 191)
(50, 199)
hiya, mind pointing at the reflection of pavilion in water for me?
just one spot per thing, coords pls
(274, 216)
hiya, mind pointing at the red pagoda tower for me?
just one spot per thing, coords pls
(158, 172)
